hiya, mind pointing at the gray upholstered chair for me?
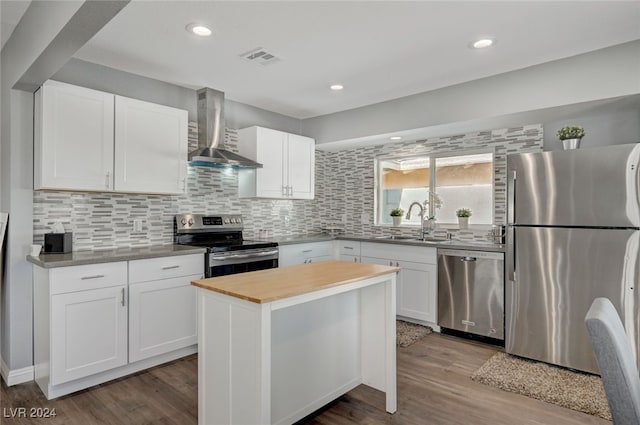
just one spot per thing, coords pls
(616, 362)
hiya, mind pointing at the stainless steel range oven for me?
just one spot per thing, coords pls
(227, 251)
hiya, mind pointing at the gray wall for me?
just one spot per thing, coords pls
(98, 77)
(602, 74)
(607, 126)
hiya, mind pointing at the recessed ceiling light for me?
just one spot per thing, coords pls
(395, 138)
(336, 87)
(482, 43)
(199, 29)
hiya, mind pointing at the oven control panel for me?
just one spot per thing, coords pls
(206, 222)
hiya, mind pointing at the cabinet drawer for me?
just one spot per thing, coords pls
(307, 250)
(348, 247)
(165, 267)
(396, 252)
(91, 276)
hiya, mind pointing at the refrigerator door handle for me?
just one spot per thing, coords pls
(511, 196)
(511, 253)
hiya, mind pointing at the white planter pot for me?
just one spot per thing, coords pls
(463, 222)
(568, 144)
(397, 221)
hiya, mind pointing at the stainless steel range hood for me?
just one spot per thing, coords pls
(211, 131)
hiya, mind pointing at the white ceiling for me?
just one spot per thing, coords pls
(10, 13)
(379, 50)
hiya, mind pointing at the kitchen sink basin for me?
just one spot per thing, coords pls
(409, 238)
(397, 238)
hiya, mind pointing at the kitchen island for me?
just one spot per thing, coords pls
(275, 345)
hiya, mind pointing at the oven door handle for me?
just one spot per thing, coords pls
(235, 256)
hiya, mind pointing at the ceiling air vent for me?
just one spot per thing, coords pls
(260, 56)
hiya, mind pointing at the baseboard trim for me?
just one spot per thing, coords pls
(17, 376)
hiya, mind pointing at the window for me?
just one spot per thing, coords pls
(441, 184)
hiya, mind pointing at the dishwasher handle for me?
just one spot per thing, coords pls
(468, 259)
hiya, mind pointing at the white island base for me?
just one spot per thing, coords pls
(276, 359)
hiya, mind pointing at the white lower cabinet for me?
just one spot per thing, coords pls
(162, 312)
(348, 251)
(417, 289)
(97, 322)
(312, 252)
(88, 332)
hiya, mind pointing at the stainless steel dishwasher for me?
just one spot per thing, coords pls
(471, 292)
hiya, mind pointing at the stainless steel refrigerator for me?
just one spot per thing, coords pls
(573, 234)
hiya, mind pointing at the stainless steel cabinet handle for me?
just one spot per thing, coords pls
(284, 190)
(355, 260)
(307, 250)
(97, 276)
(391, 263)
(170, 267)
(107, 183)
(310, 260)
(122, 297)
(468, 259)
(397, 264)
(290, 190)
(347, 247)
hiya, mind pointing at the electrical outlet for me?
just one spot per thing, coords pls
(287, 220)
(364, 218)
(344, 218)
(137, 225)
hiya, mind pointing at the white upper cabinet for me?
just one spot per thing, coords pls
(150, 147)
(96, 141)
(288, 161)
(73, 138)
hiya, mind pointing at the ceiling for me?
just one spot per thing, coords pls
(379, 50)
(10, 13)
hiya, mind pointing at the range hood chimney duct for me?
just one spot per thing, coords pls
(211, 131)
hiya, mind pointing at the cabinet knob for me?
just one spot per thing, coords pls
(107, 181)
(397, 264)
(391, 263)
(355, 260)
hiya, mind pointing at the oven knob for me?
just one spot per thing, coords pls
(190, 222)
(236, 220)
(239, 220)
(226, 221)
(183, 221)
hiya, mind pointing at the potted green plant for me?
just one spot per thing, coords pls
(570, 136)
(396, 214)
(463, 215)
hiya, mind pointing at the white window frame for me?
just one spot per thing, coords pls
(432, 183)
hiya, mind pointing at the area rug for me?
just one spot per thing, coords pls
(573, 390)
(408, 333)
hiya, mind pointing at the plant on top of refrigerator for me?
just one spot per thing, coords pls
(571, 132)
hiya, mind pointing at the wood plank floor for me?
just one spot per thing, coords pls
(434, 387)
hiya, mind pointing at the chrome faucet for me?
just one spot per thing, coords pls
(421, 217)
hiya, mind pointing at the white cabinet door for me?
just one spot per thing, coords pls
(288, 164)
(349, 258)
(271, 154)
(73, 136)
(162, 316)
(150, 147)
(416, 291)
(301, 167)
(88, 332)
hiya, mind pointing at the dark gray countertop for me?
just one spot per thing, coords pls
(453, 244)
(78, 258)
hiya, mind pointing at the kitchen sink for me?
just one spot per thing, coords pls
(409, 238)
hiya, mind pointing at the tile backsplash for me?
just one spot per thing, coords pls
(344, 185)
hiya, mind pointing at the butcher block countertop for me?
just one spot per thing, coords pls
(274, 284)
